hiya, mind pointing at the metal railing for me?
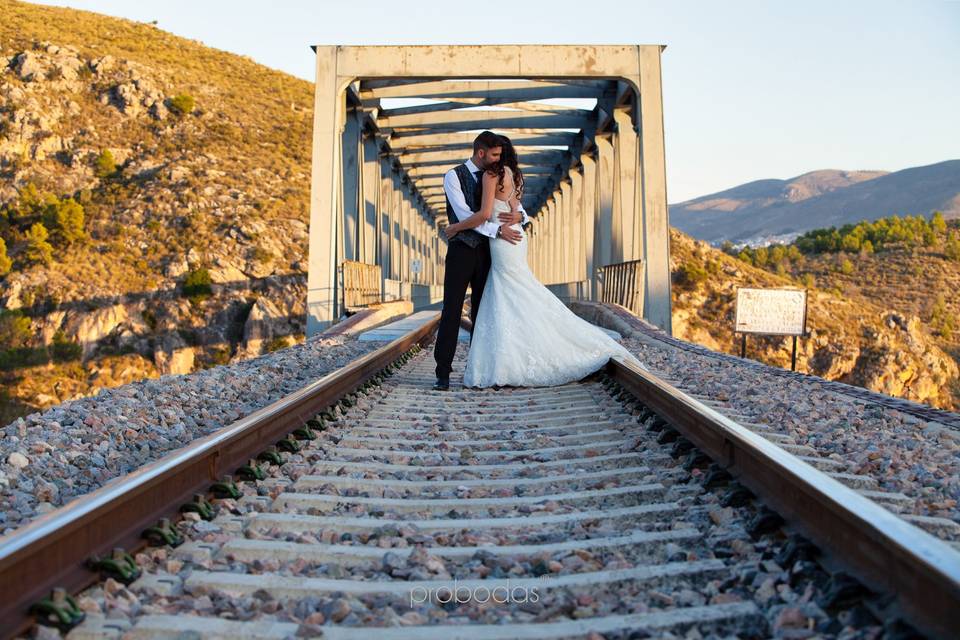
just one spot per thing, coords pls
(879, 547)
(622, 283)
(52, 551)
(361, 285)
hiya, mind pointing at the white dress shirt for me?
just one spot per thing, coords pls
(451, 187)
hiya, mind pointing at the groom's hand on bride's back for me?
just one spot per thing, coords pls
(510, 234)
(510, 217)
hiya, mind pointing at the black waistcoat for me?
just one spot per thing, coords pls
(472, 193)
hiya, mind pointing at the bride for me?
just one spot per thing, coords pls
(524, 335)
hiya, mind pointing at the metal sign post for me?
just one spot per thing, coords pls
(779, 312)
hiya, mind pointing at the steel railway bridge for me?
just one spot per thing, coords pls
(596, 186)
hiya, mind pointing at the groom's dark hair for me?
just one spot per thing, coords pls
(486, 140)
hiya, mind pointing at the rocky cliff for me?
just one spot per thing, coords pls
(852, 339)
(185, 160)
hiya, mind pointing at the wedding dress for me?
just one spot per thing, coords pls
(524, 335)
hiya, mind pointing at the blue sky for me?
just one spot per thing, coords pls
(751, 89)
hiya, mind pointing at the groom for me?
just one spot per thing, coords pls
(468, 252)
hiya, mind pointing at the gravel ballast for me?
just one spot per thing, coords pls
(903, 453)
(48, 458)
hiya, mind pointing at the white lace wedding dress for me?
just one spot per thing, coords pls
(525, 336)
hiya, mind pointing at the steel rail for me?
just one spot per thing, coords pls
(52, 550)
(878, 547)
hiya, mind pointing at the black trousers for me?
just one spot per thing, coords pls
(463, 265)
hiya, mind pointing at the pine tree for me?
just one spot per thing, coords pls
(65, 219)
(38, 249)
(938, 223)
(5, 262)
(106, 166)
(952, 249)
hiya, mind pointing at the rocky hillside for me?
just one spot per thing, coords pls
(862, 340)
(910, 264)
(762, 210)
(171, 181)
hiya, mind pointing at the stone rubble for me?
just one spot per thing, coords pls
(904, 454)
(50, 457)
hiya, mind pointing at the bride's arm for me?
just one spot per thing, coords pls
(486, 207)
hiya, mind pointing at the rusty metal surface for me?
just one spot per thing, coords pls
(880, 548)
(51, 551)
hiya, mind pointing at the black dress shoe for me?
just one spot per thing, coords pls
(441, 385)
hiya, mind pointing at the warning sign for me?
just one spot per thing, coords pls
(771, 311)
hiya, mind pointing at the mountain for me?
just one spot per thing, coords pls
(755, 212)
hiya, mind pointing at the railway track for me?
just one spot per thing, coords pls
(616, 506)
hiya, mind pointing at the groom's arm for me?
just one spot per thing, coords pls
(451, 187)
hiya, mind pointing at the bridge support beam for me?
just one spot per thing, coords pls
(370, 188)
(603, 236)
(589, 223)
(653, 185)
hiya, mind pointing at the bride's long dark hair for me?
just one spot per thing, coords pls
(508, 158)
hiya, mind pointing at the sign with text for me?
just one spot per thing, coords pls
(771, 311)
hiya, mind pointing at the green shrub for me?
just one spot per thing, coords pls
(273, 344)
(218, 356)
(14, 329)
(105, 166)
(942, 320)
(38, 250)
(952, 248)
(182, 104)
(12, 359)
(150, 318)
(262, 255)
(65, 219)
(196, 285)
(63, 350)
(5, 262)
(938, 224)
(29, 206)
(808, 280)
(689, 275)
(846, 266)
